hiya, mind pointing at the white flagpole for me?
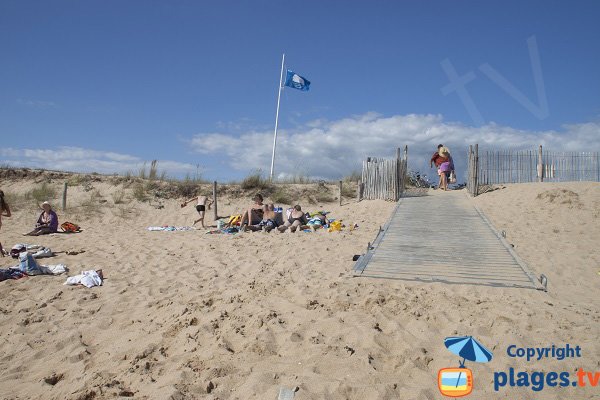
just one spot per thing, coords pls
(277, 117)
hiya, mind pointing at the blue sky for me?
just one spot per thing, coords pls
(104, 85)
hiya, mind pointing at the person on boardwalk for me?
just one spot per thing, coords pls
(446, 167)
(202, 204)
(437, 160)
(4, 212)
(46, 223)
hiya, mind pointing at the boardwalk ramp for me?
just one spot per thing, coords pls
(440, 236)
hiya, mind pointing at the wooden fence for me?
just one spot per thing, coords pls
(509, 166)
(383, 178)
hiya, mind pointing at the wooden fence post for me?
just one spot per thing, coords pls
(341, 183)
(64, 198)
(216, 214)
(398, 177)
(470, 170)
(540, 166)
(476, 170)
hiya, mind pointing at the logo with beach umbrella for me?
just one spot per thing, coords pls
(458, 382)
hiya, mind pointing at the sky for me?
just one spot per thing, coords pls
(104, 86)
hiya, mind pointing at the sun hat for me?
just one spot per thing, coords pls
(46, 203)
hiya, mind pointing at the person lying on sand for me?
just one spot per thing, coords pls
(254, 214)
(203, 202)
(46, 223)
(296, 220)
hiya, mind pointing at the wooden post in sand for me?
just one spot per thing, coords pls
(64, 199)
(341, 192)
(476, 170)
(215, 201)
(398, 177)
(540, 166)
(470, 170)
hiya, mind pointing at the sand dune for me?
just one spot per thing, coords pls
(189, 315)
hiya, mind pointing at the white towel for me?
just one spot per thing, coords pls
(86, 278)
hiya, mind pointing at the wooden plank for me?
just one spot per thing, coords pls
(466, 248)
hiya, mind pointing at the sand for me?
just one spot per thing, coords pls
(186, 315)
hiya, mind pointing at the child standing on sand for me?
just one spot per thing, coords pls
(202, 203)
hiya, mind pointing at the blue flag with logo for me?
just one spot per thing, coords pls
(295, 81)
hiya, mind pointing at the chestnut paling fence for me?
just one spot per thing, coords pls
(489, 167)
(383, 178)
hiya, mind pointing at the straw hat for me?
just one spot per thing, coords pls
(46, 204)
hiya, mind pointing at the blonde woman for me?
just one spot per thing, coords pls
(446, 167)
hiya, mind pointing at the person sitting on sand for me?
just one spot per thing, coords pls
(296, 220)
(254, 214)
(446, 167)
(46, 223)
(269, 221)
(202, 204)
(4, 211)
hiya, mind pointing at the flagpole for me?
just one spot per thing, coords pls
(277, 117)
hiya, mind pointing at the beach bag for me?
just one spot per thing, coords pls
(335, 226)
(452, 177)
(28, 265)
(69, 227)
(234, 220)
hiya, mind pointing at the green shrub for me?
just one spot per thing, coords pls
(257, 182)
(282, 196)
(324, 197)
(42, 193)
(119, 197)
(186, 188)
(139, 192)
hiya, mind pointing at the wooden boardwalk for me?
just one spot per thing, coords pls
(442, 237)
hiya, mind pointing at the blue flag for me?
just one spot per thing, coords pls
(295, 81)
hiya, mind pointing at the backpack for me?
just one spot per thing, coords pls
(70, 227)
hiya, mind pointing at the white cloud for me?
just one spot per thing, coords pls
(79, 159)
(332, 149)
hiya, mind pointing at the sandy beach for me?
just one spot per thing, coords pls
(189, 315)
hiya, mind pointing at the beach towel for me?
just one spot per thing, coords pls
(168, 228)
(69, 227)
(86, 278)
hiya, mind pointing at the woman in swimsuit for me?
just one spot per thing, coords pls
(296, 220)
(254, 214)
